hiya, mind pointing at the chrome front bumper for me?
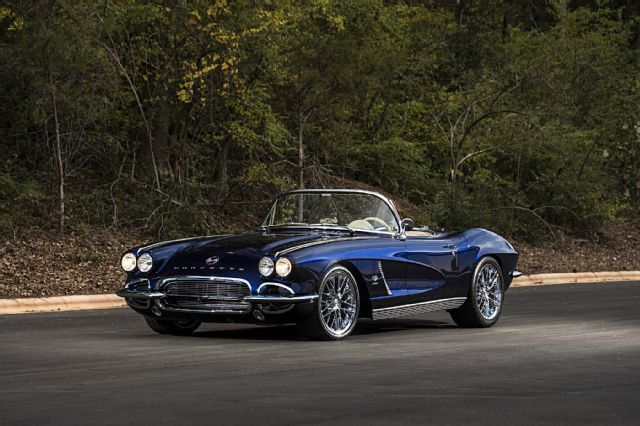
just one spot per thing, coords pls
(258, 298)
(139, 294)
(266, 298)
(210, 295)
(140, 290)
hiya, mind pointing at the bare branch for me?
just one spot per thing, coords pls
(533, 213)
(472, 154)
(140, 107)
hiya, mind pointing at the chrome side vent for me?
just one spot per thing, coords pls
(384, 280)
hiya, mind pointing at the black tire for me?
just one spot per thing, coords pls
(315, 325)
(177, 328)
(469, 314)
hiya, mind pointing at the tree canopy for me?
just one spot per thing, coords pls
(185, 117)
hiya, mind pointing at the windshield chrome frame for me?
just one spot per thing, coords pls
(384, 199)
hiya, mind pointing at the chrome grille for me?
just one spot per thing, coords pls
(207, 289)
(206, 295)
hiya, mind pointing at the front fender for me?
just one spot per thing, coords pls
(482, 243)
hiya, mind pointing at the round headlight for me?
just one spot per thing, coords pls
(145, 262)
(128, 262)
(265, 266)
(283, 267)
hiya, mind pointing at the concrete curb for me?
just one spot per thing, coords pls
(60, 303)
(574, 278)
(108, 301)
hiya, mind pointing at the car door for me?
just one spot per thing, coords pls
(382, 263)
(431, 260)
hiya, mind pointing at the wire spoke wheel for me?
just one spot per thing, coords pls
(335, 313)
(338, 302)
(485, 296)
(488, 291)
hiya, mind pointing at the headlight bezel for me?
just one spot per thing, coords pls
(266, 266)
(145, 262)
(132, 262)
(283, 267)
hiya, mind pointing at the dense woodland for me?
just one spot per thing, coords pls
(178, 118)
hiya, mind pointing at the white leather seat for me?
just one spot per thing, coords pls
(361, 224)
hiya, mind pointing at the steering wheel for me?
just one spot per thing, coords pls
(384, 226)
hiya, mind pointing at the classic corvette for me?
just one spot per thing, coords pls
(321, 259)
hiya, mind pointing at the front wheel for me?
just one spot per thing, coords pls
(484, 301)
(336, 312)
(177, 327)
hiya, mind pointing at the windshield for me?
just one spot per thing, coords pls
(359, 211)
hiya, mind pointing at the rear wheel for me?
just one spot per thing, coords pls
(336, 312)
(175, 327)
(484, 301)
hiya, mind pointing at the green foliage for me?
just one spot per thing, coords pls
(186, 117)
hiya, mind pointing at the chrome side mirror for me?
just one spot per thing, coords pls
(407, 224)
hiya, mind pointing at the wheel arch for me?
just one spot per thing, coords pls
(495, 257)
(499, 258)
(486, 243)
(366, 309)
(492, 256)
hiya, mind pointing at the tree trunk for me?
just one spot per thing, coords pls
(59, 161)
(300, 167)
(223, 160)
(154, 164)
(147, 126)
(160, 137)
(300, 152)
(460, 12)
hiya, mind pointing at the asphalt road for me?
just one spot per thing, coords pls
(559, 354)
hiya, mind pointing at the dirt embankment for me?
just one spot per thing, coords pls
(616, 249)
(45, 264)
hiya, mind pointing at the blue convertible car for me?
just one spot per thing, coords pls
(322, 259)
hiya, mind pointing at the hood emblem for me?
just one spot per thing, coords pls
(212, 260)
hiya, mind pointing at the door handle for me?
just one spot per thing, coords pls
(450, 246)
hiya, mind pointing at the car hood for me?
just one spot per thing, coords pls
(230, 252)
(251, 244)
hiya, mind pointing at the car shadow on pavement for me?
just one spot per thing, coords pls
(391, 325)
(290, 332)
